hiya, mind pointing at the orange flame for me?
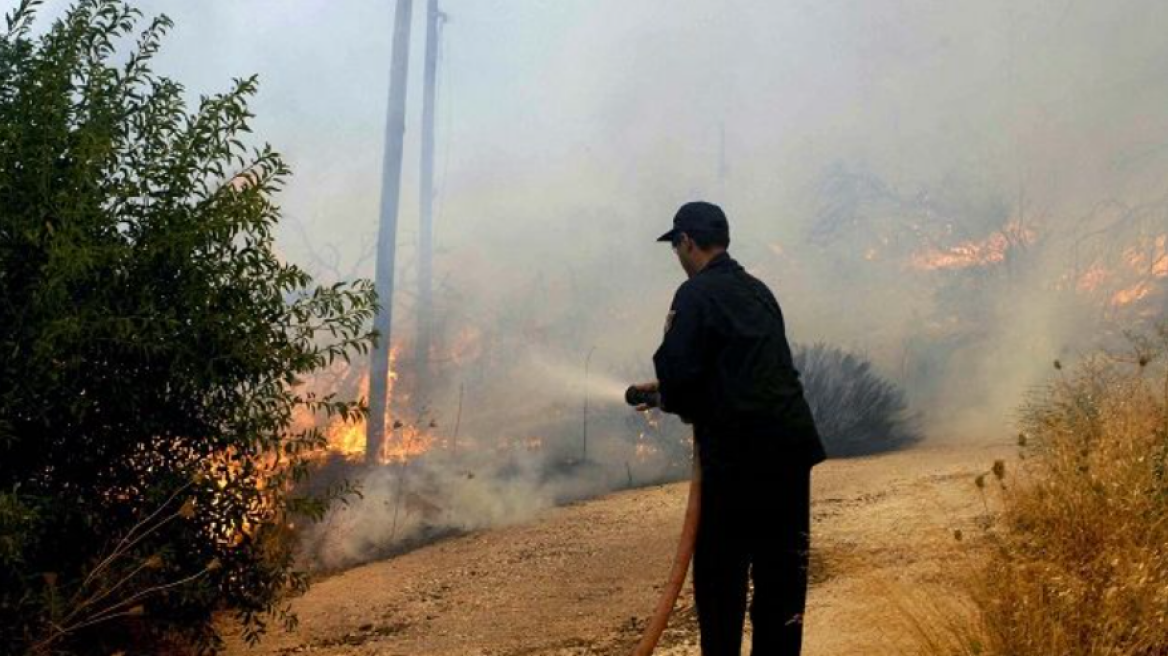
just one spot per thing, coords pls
(348, 438)
(1152, 259)
(410, 442)
(1133, 279)
(1133, 294)
(1093, 279)
(986, 252)
(402, 441)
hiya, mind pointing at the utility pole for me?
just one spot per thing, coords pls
(723, 168)
(587, 365)
(434, 21)
(395, 128)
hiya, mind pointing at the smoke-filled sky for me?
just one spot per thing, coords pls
(570, 130)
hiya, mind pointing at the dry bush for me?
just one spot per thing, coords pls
(1077, 557)
(858, 411)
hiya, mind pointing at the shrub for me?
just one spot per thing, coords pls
(1075, 560)
(858, 412)
(1080, 564)
(151, 343)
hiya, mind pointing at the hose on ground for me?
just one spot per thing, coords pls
(681, 562)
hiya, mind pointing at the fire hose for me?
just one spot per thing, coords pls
(685, 545)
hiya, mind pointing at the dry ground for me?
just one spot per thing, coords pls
(582, 579)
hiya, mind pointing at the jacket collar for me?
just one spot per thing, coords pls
(721, 261)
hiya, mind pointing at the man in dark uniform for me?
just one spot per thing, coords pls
(725, 366)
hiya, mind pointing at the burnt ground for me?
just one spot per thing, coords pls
(582, 579)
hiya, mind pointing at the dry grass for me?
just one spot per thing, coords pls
(1075, 560)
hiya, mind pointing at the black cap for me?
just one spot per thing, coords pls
(699, 218)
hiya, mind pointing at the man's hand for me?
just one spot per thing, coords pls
(648, 388)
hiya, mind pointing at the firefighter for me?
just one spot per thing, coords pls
(725, 366)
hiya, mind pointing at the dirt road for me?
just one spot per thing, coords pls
(582, 579)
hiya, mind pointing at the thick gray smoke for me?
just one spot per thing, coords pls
(962, 191)
(525, 466)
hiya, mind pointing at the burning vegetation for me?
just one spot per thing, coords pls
(990, 251)
(152, 339)
(964, 287)
(169, 380)
(449, 464)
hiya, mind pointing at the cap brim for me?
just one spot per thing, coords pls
(668, 236)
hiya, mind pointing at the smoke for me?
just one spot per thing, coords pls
(441, 493)
(426, 498)
(863, 153)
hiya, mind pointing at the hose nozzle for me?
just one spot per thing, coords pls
(636, 397)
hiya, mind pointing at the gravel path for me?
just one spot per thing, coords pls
(582, 579)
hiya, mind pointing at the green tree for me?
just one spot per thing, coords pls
(152, 346)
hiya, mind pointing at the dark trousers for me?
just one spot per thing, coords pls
(753, 528)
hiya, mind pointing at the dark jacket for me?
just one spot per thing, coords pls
(726, 366)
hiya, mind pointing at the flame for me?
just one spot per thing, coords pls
(1133, 278)
(224, 468)
(986, 252)
(1093, 279)
(1151, 262)
(408, 443)
(1132, 294)
(1152, 259)
(347, 439)
(401, 442)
